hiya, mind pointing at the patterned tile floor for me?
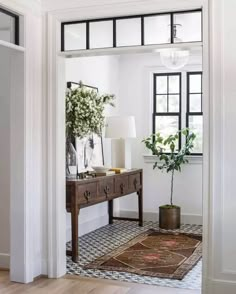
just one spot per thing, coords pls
(107, 238)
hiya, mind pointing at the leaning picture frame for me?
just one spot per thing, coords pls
(89, 150)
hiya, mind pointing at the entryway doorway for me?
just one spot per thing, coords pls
(98, 52)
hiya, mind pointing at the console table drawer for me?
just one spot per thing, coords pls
(87, 193)
(121, 185)
(134, 182)
(106, 188)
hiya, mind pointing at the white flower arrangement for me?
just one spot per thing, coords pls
(85, 111)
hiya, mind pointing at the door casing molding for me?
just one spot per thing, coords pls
(57, 223)
(26, 136)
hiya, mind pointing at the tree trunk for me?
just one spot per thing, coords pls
(172, 187)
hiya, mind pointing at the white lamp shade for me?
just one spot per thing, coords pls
(120, 127)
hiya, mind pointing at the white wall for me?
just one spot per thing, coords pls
(136, 98)
(4, 157)
(100, 72)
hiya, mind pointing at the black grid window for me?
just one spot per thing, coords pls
(194, 115)
(9, 28)
(133, 30)
(167, 104)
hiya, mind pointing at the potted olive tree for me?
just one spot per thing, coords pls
(170, 159)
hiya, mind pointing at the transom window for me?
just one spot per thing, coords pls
(168, 97)
(9, 26)
(135, 30)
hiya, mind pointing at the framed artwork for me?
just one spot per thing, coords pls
(89, 149)
(89, 152)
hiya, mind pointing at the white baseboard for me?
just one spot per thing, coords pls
(88, 226)
(101, 221)
(221, 286)
(4, 261)
(192, 219)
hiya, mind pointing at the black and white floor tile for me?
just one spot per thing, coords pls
(107, 238)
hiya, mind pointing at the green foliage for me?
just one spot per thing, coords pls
(85, 111)
(168, 158)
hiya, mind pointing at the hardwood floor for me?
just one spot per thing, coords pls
(77, 285)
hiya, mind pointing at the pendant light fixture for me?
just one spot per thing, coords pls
(174, 58)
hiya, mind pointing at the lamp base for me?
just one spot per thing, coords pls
(121, 153)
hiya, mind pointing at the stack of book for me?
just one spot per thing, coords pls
(107, 173)
(119, 170)
(111, 172)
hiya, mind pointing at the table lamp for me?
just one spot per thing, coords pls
(119, 128)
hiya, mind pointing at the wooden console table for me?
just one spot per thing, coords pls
(87, 192)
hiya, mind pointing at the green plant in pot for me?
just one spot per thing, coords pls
(170, 159)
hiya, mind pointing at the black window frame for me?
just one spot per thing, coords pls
(142, 36)
(188, 112)
(159, 114)
(16, 25)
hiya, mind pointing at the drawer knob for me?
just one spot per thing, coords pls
(87, 194)
(106, 190)
(122, 187)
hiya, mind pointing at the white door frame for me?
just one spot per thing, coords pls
(26, 157)
(56, 122)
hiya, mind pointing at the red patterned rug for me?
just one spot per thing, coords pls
(154, 253)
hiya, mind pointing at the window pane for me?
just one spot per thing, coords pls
(195, 103)
(173, 103)
(7, 28)
(161, 84)
(174, 86)
(161, 103)
(101, 34)
(128, 32)
(189, 27)
(157, 29)
(167, 125)
(196, 126)
(195, 83)
(75, 36)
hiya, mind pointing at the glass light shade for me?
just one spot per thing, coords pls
(120, 127)
(174, 58)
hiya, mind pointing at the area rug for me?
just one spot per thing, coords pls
(154, 253)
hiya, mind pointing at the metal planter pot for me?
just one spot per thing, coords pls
(169, 217)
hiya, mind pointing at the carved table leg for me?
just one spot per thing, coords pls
(110, 211)
(74, 228)
(140, 207)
